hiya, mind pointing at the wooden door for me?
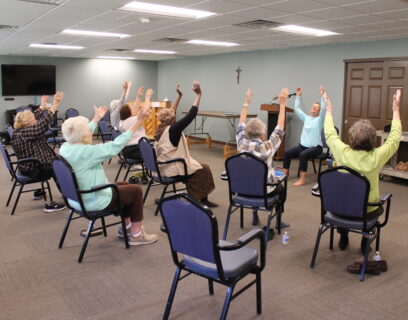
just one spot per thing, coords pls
(369, 89)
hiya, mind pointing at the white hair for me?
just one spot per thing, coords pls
(75, 129)
(114, 104)
(255, 129)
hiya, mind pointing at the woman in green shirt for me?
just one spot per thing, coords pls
(361, 155)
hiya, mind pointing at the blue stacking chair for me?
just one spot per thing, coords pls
(153, 170)
(70, 191)
(71, 112)
(247, 180)
(344, 201)
(192, 230)
(104, 131)
(22, 180)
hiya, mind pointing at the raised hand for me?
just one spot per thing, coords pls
(322, 91)
(140, 92)
(149, 94)
(328, 103)
(299, 91)
(58, 98)
(127, 84)
(248, 96)
(44, 100)
(196, 87)
(99, 112)
(178, 90)
(283, 96)
(396, 101)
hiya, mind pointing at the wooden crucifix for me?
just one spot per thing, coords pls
(238, 71)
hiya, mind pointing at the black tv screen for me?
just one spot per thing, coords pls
(27, 80)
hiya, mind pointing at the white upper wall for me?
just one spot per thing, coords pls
(85, 82)
(267, 72)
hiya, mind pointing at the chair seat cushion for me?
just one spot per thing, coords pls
(168, 180)
(348, 223)
(25, 179)
(233, 262)
(254, 201)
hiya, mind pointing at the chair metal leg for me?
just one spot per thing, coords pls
(314, 166)
(268, 228)
(90, 228)
(11, 193)
(316, 248)
(227, 221)
(320, 166)
(127, 172)
(279, 218)
(172, 294)
(161, 197)
(377, 241)
(210, 287)
(120, 169)
(125, 233)
(147, 190)
(363, 268)
(104, 227)
(227, 302)
(18, 198)
(258, 294)
(331, 238)
(241, 216)
(64, 233)
(49, 191)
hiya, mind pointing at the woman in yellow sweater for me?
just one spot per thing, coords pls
(361, 155)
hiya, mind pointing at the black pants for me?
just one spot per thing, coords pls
(44, 173)
(132, 152)
(303, 153)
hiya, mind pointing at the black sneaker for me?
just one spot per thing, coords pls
(38, 194)
(209, 204)
(53, 206)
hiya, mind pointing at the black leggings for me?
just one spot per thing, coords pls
(303, 153)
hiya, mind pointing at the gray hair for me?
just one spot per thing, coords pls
(75, 129)
(114, 104)
(362, 135)
(255, 129)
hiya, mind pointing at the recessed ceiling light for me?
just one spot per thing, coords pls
(115, 57)
(154, 51)
(305, 30)
(94, 33)
(54, 46)
(213, 43)
(163, 10)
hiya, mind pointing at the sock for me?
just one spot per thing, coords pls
(137, 234)
(128, 226)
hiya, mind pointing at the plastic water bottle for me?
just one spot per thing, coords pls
(377, 256)
(285, 238)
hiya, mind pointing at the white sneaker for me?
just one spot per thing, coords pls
(143, 238)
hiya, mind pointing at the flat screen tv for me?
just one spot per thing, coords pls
(27, 80)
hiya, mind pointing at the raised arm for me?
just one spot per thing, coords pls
(127, 85)
(245, 105)
(390, 146)
(137, 105)
(175, 104)
(283, 97)
(322, 113)
(143, 113)
(298, 102)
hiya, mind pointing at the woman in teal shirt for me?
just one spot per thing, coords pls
(310, 144)
(86, 160)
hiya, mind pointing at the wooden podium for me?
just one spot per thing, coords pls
(273, 113)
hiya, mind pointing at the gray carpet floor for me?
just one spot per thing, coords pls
(40, 281)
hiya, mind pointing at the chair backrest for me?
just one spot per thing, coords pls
(323, 137)
(247, 175)
(106, 117)
(66, 180)
(192, 229)
(149, 156)
(103, 125)
(71, 112)
(10, 131)
(344, 191)
(6, 158)
(19, 109)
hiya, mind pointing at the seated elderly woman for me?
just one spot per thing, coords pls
(362, 156)
(310, 145)
(171, 143)
(251, 138)
(115, 105)
(86, 160)
(29, 141)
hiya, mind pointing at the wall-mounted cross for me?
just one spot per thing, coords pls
(238, 71)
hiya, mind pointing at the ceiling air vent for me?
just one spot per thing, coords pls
(258, 24)
(170, 40)
(118, 50)
(53, 2)
(6, 28)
